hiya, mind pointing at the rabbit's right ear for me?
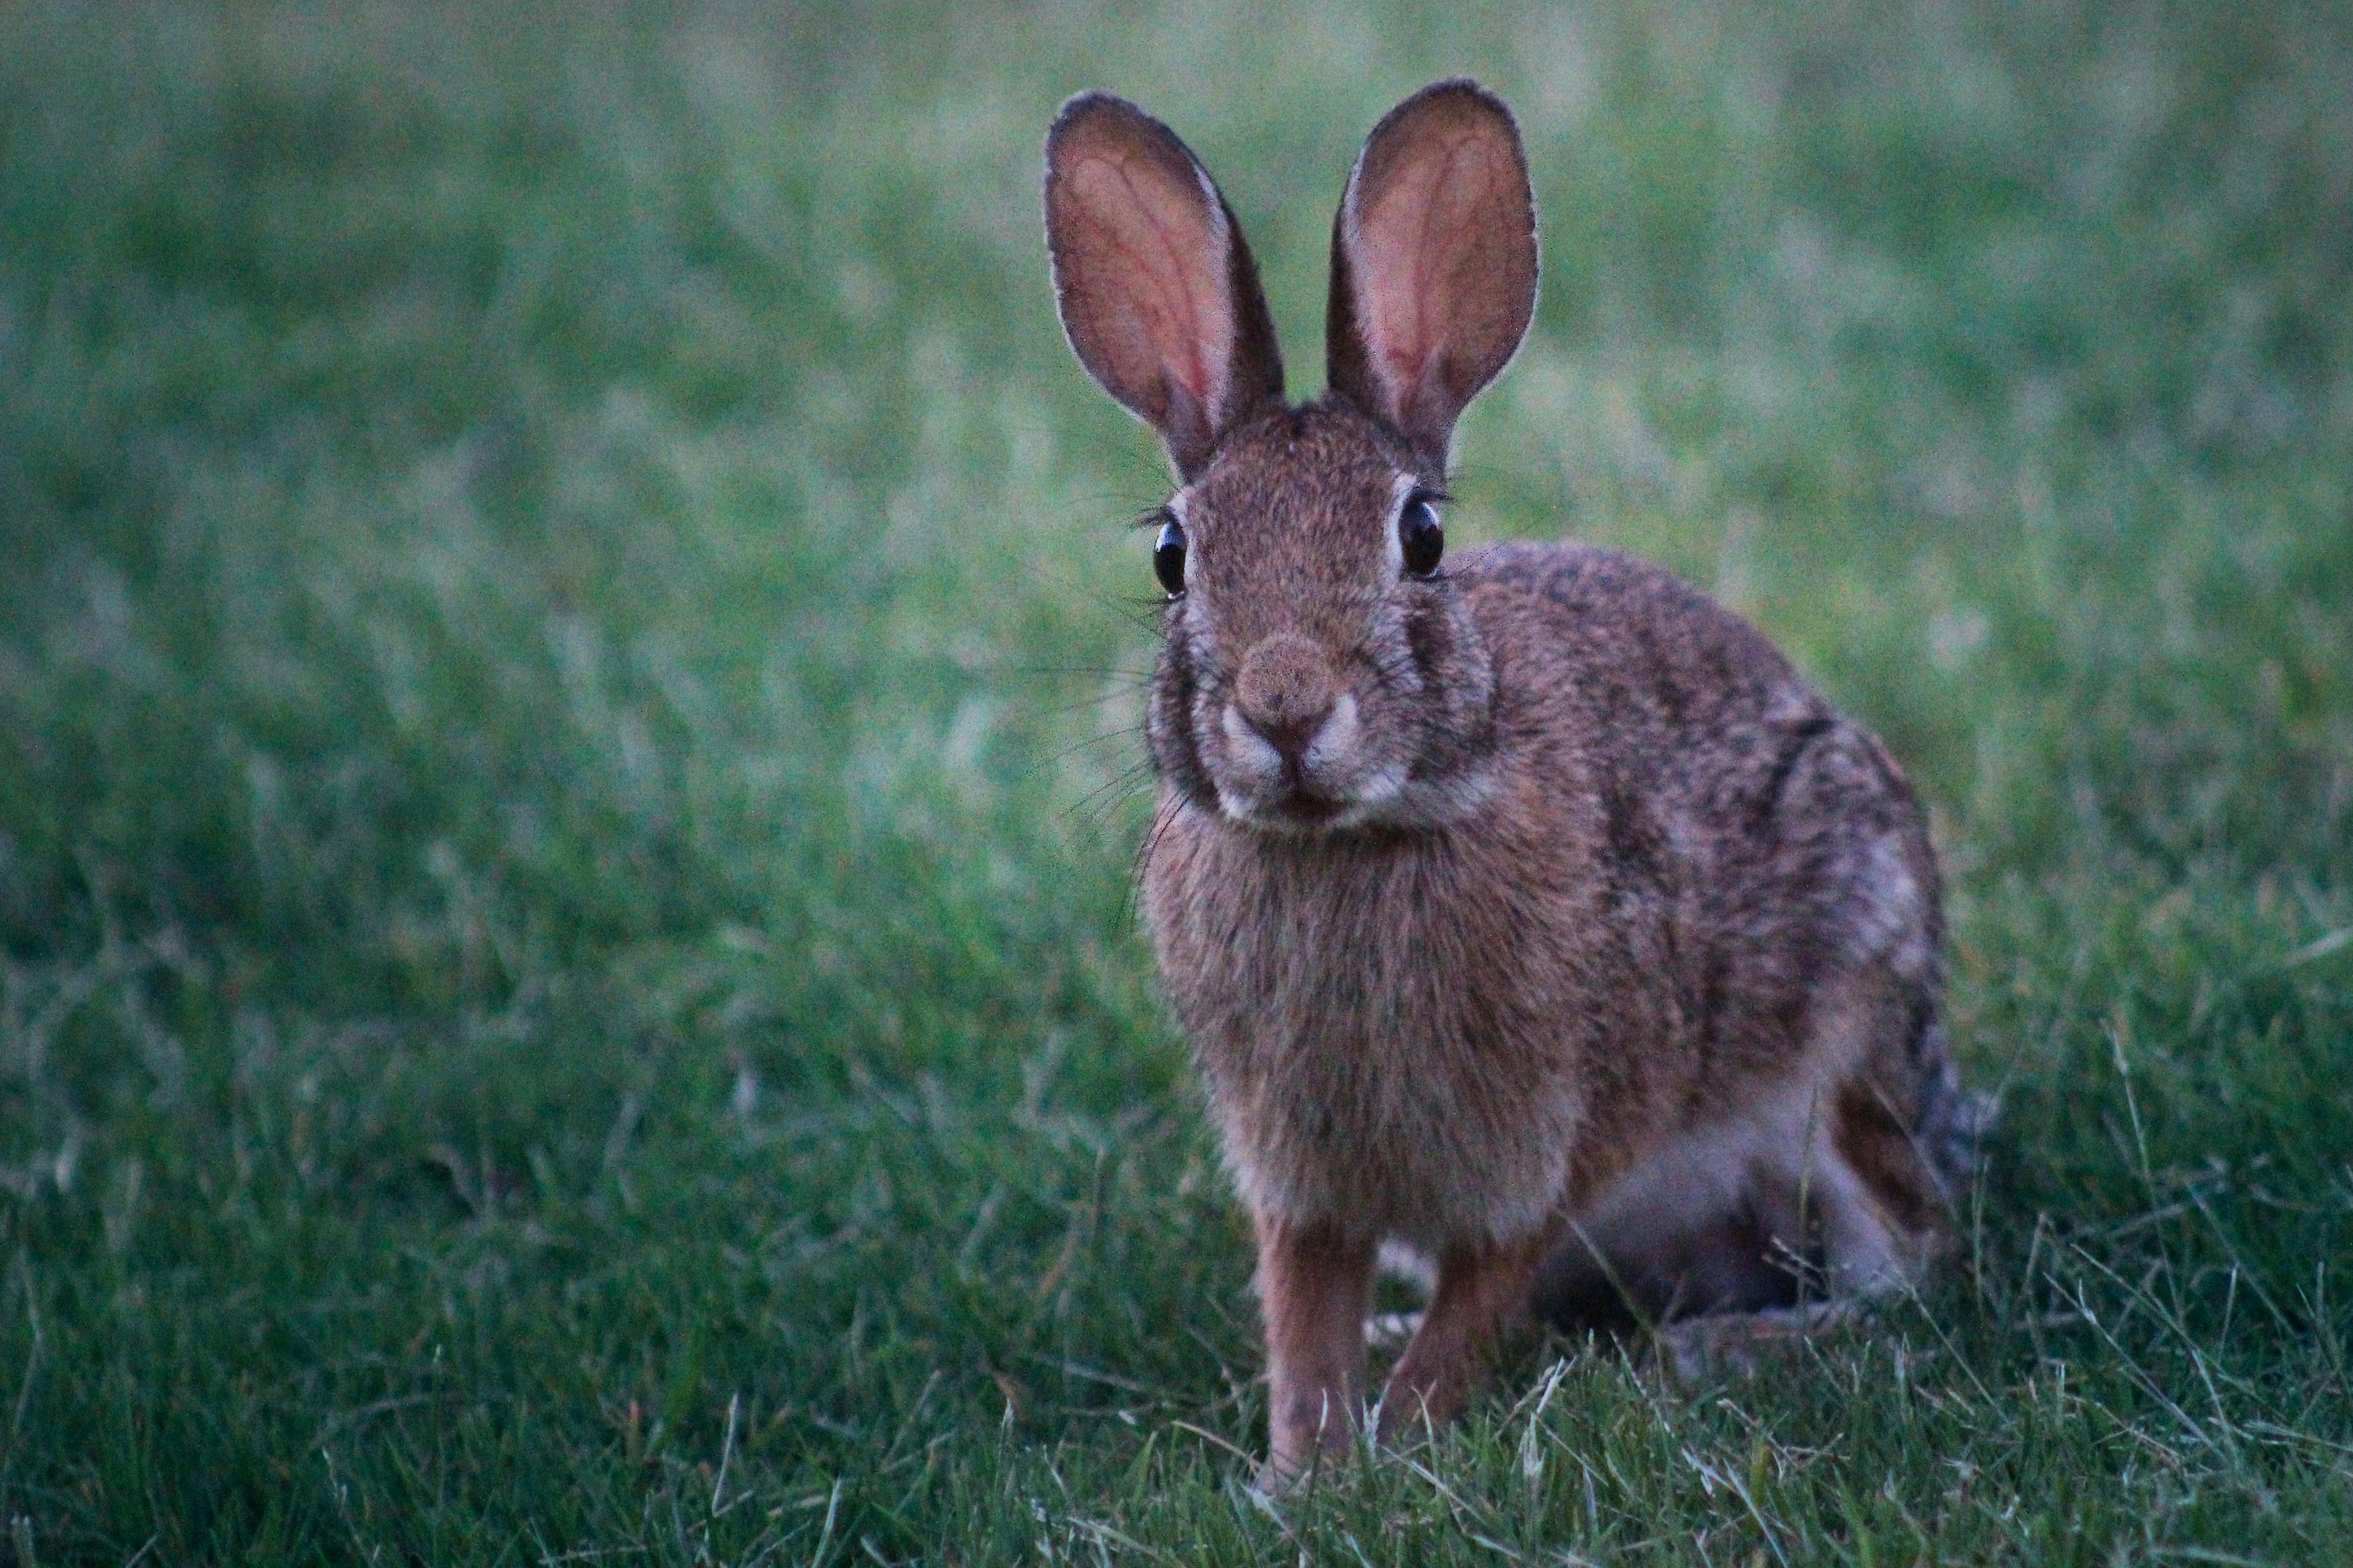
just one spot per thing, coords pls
(1433, 263)
(1158, 290)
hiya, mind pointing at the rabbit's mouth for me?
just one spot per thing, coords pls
(1328, 784)
(1304, 808)
(1287, 801)
(1294, 811)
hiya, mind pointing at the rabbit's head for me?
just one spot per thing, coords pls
(1321, 671)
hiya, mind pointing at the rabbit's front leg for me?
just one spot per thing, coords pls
(1314, 1283)
(1482, 1293)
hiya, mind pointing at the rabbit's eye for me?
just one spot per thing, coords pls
(1421, 538)
(1168, 558)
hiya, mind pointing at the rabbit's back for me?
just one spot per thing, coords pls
(1778, 843)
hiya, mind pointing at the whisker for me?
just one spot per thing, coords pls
(1164, 816)
(1094, 672)
(1058, 710)
(1119, 789)
(1122, 733)
(1099, 818)
(1144, 614)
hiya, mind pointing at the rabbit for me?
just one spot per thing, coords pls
(1528, 916)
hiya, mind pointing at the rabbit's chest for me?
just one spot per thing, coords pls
(1389, 1037)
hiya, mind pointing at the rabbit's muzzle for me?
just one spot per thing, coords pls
(1293, 739)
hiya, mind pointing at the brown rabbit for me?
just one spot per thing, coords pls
(1528, 913)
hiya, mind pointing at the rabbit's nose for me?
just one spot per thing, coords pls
(1285, 692)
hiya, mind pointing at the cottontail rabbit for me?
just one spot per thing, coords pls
(1525, 910)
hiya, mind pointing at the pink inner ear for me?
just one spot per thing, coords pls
(1151, 238)
(1412, 289)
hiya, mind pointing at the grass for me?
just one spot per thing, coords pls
(568, 989)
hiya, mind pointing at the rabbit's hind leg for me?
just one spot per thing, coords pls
(1853, 1251)
(1813, 1197)
(1705, 1226)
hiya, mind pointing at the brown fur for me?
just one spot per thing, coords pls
(1533, 915)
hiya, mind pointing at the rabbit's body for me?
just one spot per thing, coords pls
(1528, 911)
(1692, 912)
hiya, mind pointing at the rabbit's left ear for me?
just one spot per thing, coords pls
(1157, 290)
(1433, 263)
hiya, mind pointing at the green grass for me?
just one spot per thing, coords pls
(568, 988)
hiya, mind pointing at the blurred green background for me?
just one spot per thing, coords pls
(569, 657)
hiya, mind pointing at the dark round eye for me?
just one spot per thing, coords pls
(1420, 536)
(1168, 558)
